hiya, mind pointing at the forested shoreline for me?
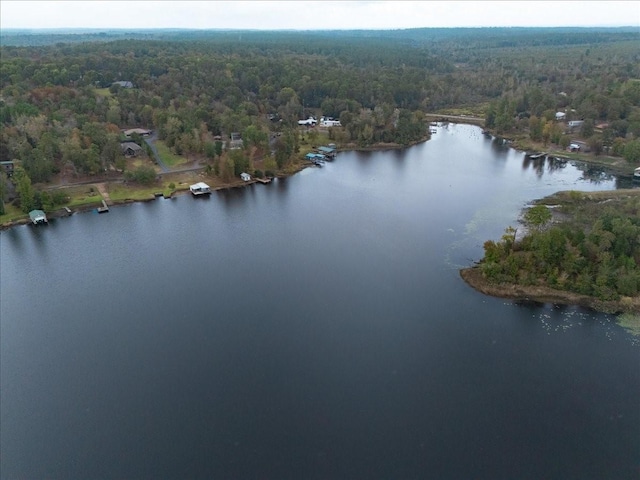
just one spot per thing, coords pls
(584, 244)
(66, 98)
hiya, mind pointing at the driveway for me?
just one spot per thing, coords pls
(151, 141)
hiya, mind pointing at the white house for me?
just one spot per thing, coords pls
(245, 177)
(560, 116)
(309, 122)
(329, 122)
(575, 123)
(124, 84)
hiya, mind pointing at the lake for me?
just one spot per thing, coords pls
(312, 328)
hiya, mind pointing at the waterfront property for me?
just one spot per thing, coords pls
(200, 188)
(327, 151)
(245, 177)
(245, 313)
(38, 217)
(315, 158)
(636, 174)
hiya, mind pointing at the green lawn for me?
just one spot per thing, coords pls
(103, 92)
(12, 214)
(119, 193)
(169, 158)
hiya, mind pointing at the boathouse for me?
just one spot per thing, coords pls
(38, 217)
(200, 188)
(245, 177)
(327, 151)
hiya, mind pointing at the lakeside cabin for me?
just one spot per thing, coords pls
(245, 177)
(200, 188)
(38, 217)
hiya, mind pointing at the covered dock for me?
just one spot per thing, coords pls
(38, 217)
(200, 188)
(327, 151)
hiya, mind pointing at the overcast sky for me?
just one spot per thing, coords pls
(314, 15)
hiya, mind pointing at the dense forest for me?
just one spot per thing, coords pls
(595, 251)
(66, 97)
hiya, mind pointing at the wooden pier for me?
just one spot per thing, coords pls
(104, 208)
(262, 180)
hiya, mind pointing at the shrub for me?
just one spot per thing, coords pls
(143, 175)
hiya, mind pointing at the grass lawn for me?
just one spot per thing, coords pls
(81, 197)
(169, 158)
(102, 92)
(12, 214)
(119, 192)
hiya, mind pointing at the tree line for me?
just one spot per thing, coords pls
(62, 108)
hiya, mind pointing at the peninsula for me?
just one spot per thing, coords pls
(578, 248)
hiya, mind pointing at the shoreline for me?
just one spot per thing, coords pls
(540, 294)
(61, 211)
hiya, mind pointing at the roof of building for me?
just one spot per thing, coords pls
(327, 149)
(37, 214)
(141, 131)
(132, 145)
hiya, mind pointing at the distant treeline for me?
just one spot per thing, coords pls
(61, 107)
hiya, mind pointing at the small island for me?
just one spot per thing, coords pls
(571, 248)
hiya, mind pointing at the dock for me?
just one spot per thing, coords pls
(38, 217)
(104, 208)
(262, 180)
(537, 155)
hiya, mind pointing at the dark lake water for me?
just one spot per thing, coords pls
(313, 328)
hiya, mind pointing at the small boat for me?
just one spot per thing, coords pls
(636, 174)
(200, 188)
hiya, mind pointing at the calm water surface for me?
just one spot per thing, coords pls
(313, 328)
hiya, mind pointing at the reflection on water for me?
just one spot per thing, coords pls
(313, 327)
